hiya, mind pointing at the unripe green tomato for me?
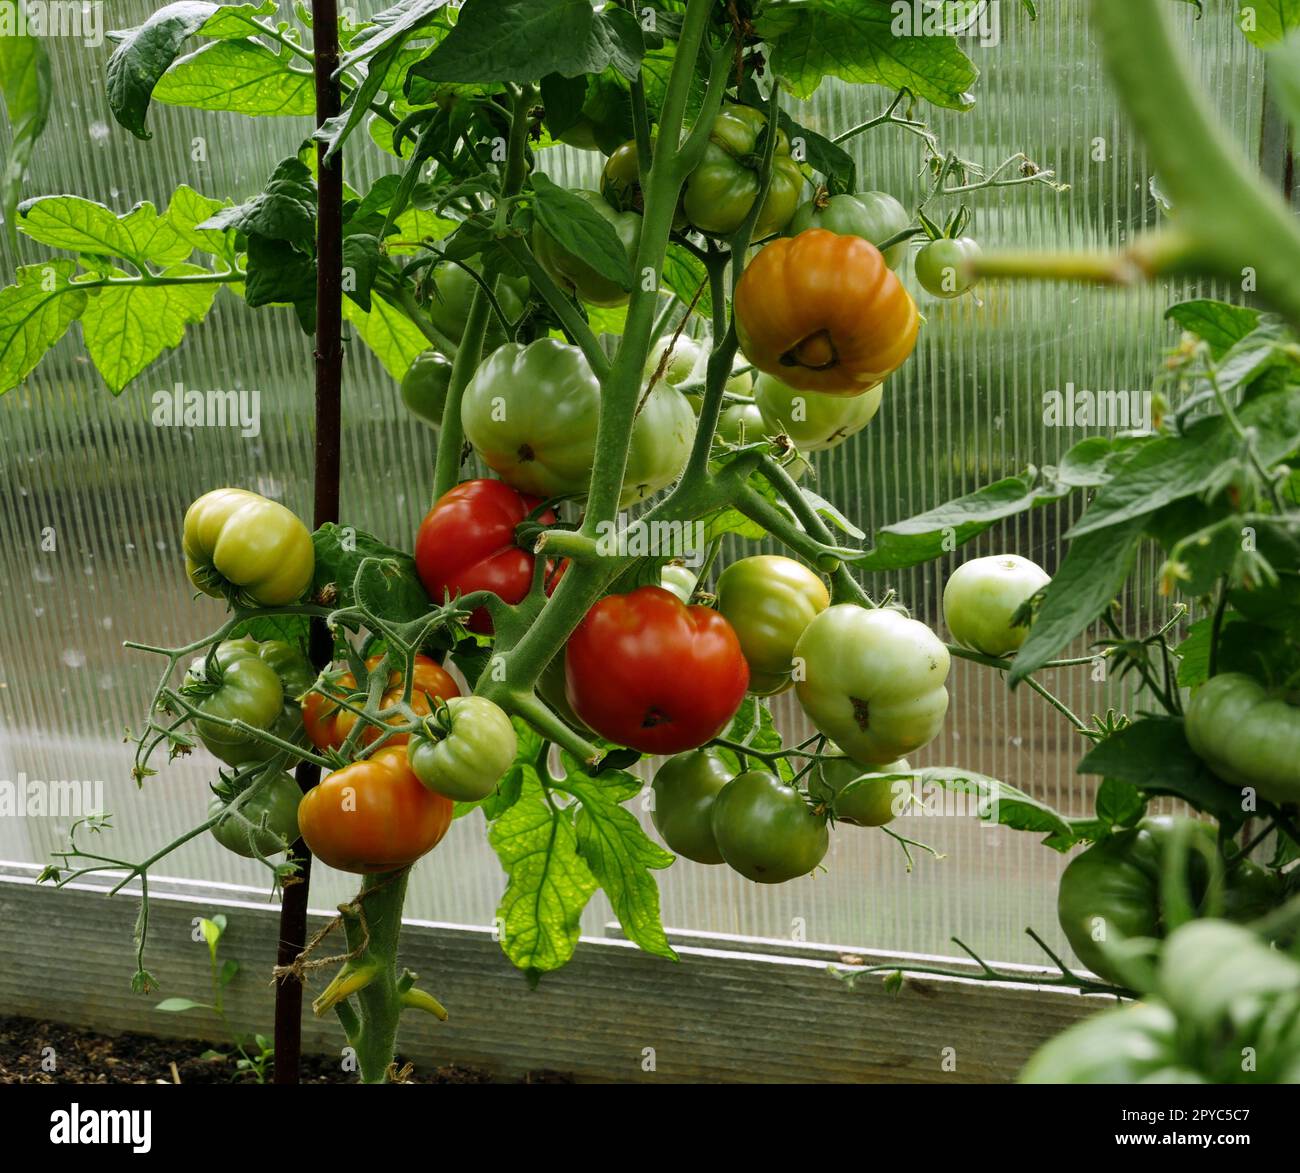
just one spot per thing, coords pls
(766, 830)
(679, 579)
(873, 215)
(574, 273)
(470, 759)
(273, 809)
(814, 422)
(685, 355)
(454, 290)
(872, 804)
(941, 266)
(1247, 734)
(742, 379)
(769, 600)
(425, 384)
(983, 594)
(684, 789)
(620, 183)
(741, 423)
(722, 189)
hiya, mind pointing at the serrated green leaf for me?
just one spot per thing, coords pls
(284, 210)
(186, 211)
(26, 88)
(391, 590)
(140, 236)
(549, 883)
(127, 327)
(991, 799)
(395, 23)
(1152, 754)
(34, 314)
(620, 854)
(388, 332)
(243, 77)
(581, 231)
(859, 41)
(1219, 324)
(1095, 569)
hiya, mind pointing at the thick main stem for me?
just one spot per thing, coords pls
(329, 365)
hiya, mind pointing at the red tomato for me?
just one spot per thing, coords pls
(647, 671)
(467, 543)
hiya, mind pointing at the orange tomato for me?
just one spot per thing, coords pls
(823, 312)
(373, 815)
(328, 725)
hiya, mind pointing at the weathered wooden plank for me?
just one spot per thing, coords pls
(732, 1010)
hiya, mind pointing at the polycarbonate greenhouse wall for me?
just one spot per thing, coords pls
(92, 492)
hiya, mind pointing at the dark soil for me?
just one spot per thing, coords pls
(83, 1056)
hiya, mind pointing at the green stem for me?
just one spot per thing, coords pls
(372, 924)
(404, 298)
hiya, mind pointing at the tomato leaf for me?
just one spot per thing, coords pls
(1095, 569)
(26, 88)
(387, 331)
(548, 885)
(84, 226)
(145, 53)
(1172, 467)
(34, 314)
(243, 77)
(619, 852)
(1152, 754)
(1220, 325)
(126, 328)
(581, 230)
(524, 40)
(390, 585)
(392, 25)
(284, 210)
(865, 42)
(1119, 803)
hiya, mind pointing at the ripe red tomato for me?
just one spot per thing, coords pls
(649, 672)
(467, 543)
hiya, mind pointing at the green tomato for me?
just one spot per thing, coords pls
(981, 597)
(941, 266)
(741, 423)
(1111, 892)
(766, 830)
(530, 412)
(468, 761)
(679, 579)
(684, 789)
(574, 273)
(741, 381)
(872, 681)
(242, 543)
(769, 601)
(721, 190)
(1247, 734)
(272, 812)
(448, 309)
(814, 422)
(683, 357)
(425, 385)
(620, 183)
(873, 215)
(871, 804)
(242, 687)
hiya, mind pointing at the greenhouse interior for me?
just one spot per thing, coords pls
(650, 542)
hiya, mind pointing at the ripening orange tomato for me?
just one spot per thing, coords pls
(824, 312)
